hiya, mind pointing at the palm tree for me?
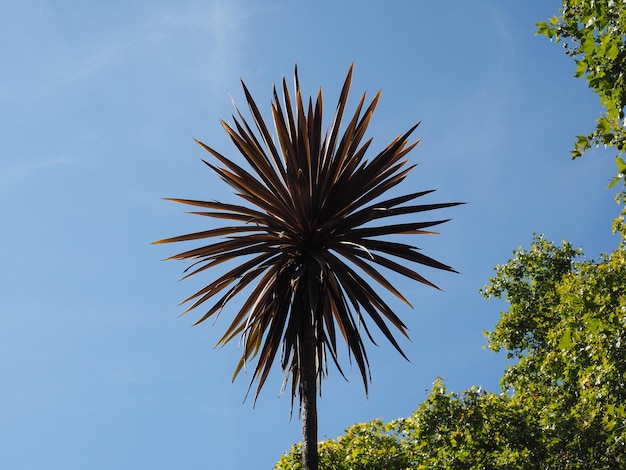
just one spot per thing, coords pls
(304, 240)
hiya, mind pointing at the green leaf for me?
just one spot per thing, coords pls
(588, 44)
(621, 172)
(604, 125)
(543, 28)
(615, 180)
(593, 325)
(566, 340)
(613, 51)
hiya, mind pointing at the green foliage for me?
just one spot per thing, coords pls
(593, 34)
(528, 282)
(566, 325)
(374, 445)
(471, 430)
(618, 223)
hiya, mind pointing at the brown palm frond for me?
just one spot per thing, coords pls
(306, 235)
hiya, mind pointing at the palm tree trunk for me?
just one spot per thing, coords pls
(308, 395)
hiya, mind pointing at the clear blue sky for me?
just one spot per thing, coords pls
(99, 106)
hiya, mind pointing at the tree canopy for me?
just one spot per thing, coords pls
(473, 429)
(593, 33)
(566, 327)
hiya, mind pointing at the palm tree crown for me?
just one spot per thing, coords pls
(306, 237)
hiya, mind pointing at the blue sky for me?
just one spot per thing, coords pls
(99, 106)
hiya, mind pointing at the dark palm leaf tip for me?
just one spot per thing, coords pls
(312, 200)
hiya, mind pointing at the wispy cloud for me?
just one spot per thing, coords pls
(214, 31)
(219, 32)
(12, 176)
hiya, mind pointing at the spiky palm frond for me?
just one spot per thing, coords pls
(307, 235)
